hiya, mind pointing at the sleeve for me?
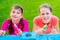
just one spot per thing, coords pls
(5, 25)
(35, 21)
(26, 29)
(54, 21)
(48, 29)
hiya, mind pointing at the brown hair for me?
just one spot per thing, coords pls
(10, 28)
(18, 7)
(46, 6)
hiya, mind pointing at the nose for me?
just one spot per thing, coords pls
(45, 15)
(15, 13)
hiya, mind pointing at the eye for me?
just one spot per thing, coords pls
(47, 13)
(42, 13)
(13, 12)
(17, 12)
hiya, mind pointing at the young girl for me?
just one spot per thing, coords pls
(45, 18)
(16, 24)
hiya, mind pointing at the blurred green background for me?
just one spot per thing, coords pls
(31, 9)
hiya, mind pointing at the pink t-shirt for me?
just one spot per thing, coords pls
(53, 22)
(6, 23)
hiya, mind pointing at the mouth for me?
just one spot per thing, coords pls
(45, 18)
(14, 17)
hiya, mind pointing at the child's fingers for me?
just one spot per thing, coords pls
(38, 27)
(2, 32)
(54, 31)
(19, 32)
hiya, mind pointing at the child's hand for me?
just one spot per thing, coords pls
(19, 32)
(2, 32)
(54, 31)
(39, 31)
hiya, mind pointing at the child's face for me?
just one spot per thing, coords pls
(45, 14)
(15, 14)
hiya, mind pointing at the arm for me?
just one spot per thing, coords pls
(26, 29)
(37, 30)
(4, 26)
(55, 26)
(2, 32)
(34, 28)
(17, 30)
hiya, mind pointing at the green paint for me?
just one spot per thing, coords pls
(44, 27)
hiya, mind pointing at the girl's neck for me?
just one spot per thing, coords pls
(15, 21)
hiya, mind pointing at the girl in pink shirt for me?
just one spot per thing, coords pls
(16, 24)
(45, 18)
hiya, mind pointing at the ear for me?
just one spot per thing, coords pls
(10, 14)
(22, 16)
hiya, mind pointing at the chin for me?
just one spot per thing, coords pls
(14, 19)
(46, 22)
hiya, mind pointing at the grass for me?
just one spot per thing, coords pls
(31, 9)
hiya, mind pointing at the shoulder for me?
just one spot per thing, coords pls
(54, 18)
(5, 23)
(25, 21)
(6, 20)
(37, 18)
